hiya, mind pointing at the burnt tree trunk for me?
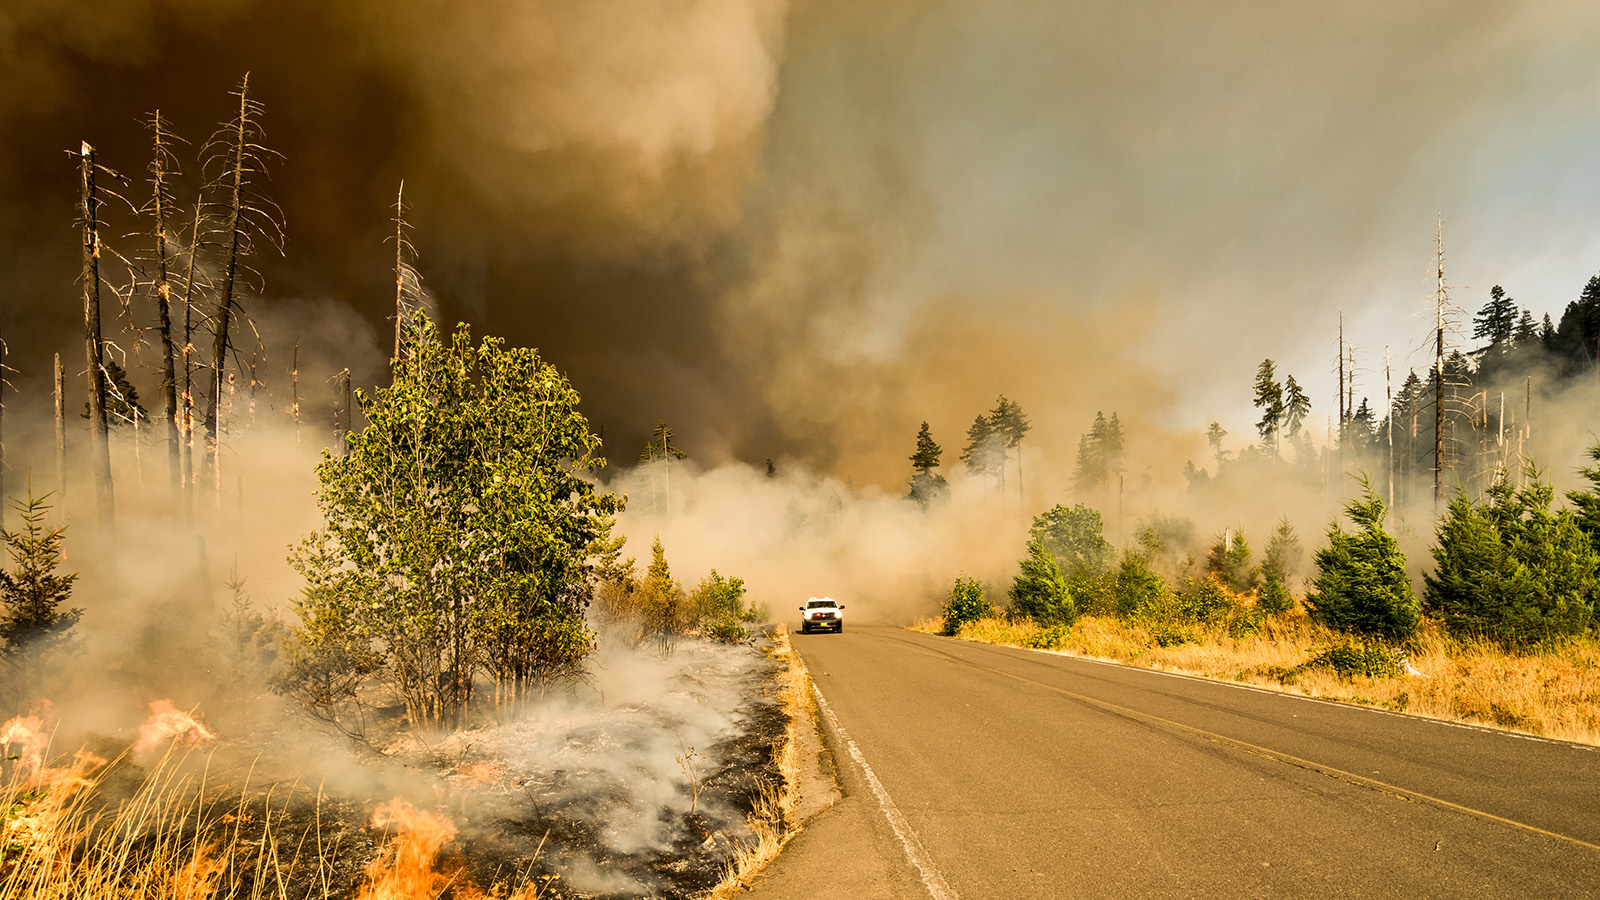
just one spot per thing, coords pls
(93, 343)
(169, 383)
(219, 347)
(341, 419)
(61, 440)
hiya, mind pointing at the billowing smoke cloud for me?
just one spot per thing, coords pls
(797, 231)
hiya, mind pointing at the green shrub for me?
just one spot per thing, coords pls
(966, 603)
(1204, 600)
(1229, 560)
(1275, 599)
(1361, 585)
(1040, 593)
(1136, 586)
(1171, 636)
(1366, 658)
(1052, 638)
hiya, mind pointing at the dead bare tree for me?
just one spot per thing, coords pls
(186, 414)
(94, 343)
(164, 163)
(61, 440)
(248, 219)
(341, 415)
(408, 295)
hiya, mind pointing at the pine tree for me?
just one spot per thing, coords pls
(1361, 584)
(1511, 569)
(985, 450)
(664, 596)
(1229, 560)
(927, 486)
(31, 593)
(1040, 593)
(1093, 465)
(1269, 399)
(1009, 425)
(1214, 436)
(1296, 407)
(1280, 563)
(1497, 320)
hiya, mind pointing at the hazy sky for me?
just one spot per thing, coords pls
(797, 230)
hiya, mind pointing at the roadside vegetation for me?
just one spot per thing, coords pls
(1504, 632)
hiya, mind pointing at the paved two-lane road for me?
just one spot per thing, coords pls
(985, 772)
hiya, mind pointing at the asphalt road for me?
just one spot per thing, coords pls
(983, 772)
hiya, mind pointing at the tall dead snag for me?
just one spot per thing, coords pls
(162, 164)
(93, 342)
(247, 218)
(408, 295)
(61, 440)
(1438, 373)
(341, 412)
(186, 374)
(3, 370)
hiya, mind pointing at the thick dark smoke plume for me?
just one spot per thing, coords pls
(795, 230)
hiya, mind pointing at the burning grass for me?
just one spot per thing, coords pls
(1553, 691)
(570, 801)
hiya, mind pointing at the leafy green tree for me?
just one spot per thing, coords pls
(719, 603)
(1512, 570)
(1361, 584)
(32, 595)
(462, 528)
(965, 603)
(1269, 399)
(1280, 563)
(1076, 538)
(1230, 559)
(927, 486)
(1039, 592)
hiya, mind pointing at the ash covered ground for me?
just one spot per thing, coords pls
(633, 783)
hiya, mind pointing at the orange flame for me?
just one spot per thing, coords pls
(404, 870)
(27, 733)
(167, 722)
(482, 772)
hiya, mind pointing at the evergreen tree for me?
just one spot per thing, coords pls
(1497, 320)
(1512, 570)
(1214, 436)
(985, 450)
(927, 486)
(1296, 407)
(1361, 584)
(31, 593)
(1229, 560)
(1008, 426)
(1280, 563)
(1269, 399)
(1527, 332)
(1040, 592)
(1575, 338)
(1099, 455)
(1586, 503)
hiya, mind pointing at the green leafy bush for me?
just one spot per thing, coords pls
(1076, 538)
(1052, 638)
(1370, 659)
(1137, 586)
(966, 603)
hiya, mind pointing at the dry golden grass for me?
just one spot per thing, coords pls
(773, 822)
(1554, 692)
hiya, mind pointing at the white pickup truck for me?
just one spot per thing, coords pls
(821, 614)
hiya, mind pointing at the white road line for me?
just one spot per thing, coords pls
(918, 854)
